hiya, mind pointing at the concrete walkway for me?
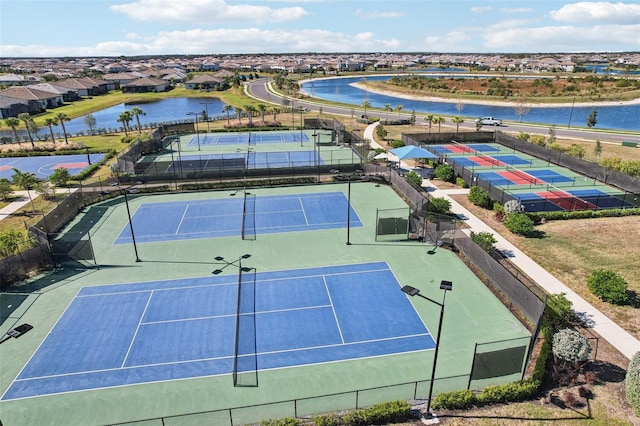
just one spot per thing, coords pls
(605, 327)
(21, 199)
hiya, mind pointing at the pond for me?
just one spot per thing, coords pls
(620, 117)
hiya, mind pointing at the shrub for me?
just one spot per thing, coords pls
(608, 286)
(414, 179)
(480, 197)
(508, 392)
(571, 346)
(384, 413)
(513, 206)
(484, 239)
(444, 172)
(439, 205)
(397, 144)
(632, 383)
(560, 311)
(519, 223)
(454, 400)
(461, 182)
(281, 422)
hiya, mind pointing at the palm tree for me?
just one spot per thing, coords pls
(227, 109)
(365, 104)
(438, 120)
(124, 118)
(26, 117)
(429, 119)
(25, 181)
(399, 107)
(458, 120)
(50, 122)
(275, 111)
(62, 117)
(263, 109)
(137, 112)
(387, 108)
(239, 113)
(251, 109)
(13, 122)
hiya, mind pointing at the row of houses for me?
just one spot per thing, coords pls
(39, 97)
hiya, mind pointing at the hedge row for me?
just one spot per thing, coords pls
(510, 392)
(537, 217)
(379, 414)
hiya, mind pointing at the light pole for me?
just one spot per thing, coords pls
(195, 115)
(126, 202)
(316, 155)
(412, 291)
(348, 210)
(206, 110)
(301, 125)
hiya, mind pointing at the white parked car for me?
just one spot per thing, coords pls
(489, 121)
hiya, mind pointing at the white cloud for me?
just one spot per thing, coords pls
(453, 41)
(516, 10)
(562, 38)
(480, 9)
(205, 11)
(200, 41)
(378, 15)
(583, 12)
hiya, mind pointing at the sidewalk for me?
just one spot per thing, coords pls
(21, 201)
(613, 333)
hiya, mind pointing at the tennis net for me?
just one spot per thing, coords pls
(245, 358)
(249, 217)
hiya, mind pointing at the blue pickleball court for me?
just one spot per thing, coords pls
(134, 333)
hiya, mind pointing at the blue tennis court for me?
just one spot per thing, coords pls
(125, 334)
(249, 138)
(44, 166)
(549, 176)
(155, 222)
(240, 161)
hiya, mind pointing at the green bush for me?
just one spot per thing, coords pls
(461, 182)
(583, 214)
(632, 383)
(480, 197)
(608, 286)
(515, 391)
(384, 413)
(570, 346)
(439, 205)
(484, 239)
(444, 172)
(281, 422)
(559, 312)
(414, 179)
(519, 223)
(455, 400)
(397, 144)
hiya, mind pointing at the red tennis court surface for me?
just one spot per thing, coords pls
(566, 200)
(459, 148)
(520, 178)
(71, 166)
(4, 168)
(486, 161)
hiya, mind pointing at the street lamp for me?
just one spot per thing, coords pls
(412, 291)
(196, 127)
(301, 125)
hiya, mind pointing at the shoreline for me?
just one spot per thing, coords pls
(492, 102)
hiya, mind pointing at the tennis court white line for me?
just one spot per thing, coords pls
(304, 213)
(277, 311)
(133, 338)
(184, 213)
(386, 339)
(189, 319)
(333, 309)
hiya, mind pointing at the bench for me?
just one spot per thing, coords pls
(630, 144)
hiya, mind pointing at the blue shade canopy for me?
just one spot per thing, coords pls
(411, 151)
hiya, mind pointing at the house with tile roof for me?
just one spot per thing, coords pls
(146, 85)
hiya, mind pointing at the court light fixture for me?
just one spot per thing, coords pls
(227, 263)
(412, 291)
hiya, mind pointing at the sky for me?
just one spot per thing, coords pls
(55, 28)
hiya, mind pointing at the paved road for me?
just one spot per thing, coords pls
(259, 89)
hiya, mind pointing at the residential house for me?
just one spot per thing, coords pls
(146, 85)
(26, 93)
(68, 95)
(204, 82)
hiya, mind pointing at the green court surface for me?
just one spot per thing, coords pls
(328, 151)
(472, 316)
